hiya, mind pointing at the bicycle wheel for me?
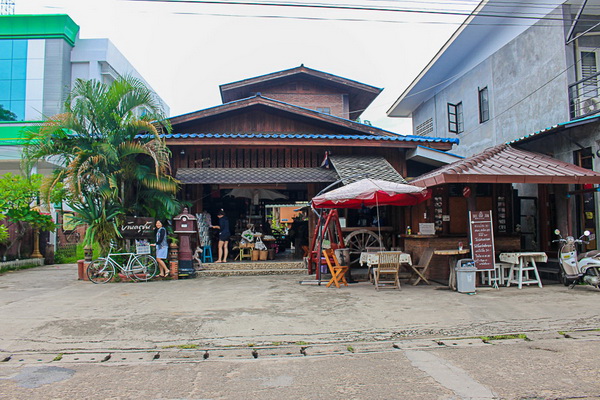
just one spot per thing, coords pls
(144, 267)
(100, 271)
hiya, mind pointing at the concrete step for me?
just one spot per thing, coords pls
(254, 265)
(249, 272)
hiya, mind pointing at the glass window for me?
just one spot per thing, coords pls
(19, 50)
(19, 69)
(5, 68)
(4, 90)
(484, 105)
(455, 118)
(17, 91)
(18, 107)
(589, 68)
(5, 49)
(324, 110)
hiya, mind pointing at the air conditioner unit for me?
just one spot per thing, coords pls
(590, 106)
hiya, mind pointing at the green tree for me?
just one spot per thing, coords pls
(19, 194)
(112, 156)
(7, 115)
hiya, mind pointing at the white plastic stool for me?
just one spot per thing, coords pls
(491, 277)
(502, 271)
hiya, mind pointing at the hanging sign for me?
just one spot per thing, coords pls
(466, 191)
(137, 228)
(482, 239)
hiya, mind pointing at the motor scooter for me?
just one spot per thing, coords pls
(575, 269)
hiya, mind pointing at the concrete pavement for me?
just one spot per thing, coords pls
(48, 309)
(63, 338)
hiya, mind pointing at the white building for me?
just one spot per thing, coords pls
(40, 58)
(525, 73)
(510, 70)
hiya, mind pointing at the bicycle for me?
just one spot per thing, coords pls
(140, 267)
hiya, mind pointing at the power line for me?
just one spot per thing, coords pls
(357, 19)
(532, 16)
(533, 92)
(320, 18)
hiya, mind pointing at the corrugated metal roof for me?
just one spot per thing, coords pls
(505, 164)
(557, 127)
(377, 167)
(399, 138)
(255, 175)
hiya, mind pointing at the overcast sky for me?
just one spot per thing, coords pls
(186, 50)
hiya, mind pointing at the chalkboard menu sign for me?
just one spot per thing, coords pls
(482, 239)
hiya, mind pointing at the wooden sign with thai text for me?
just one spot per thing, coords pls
(482, 239)
(137, 228)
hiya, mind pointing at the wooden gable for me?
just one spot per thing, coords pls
(300, 85)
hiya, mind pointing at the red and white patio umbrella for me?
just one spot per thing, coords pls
(371, 193)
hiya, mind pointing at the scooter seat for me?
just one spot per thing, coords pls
(592, 253)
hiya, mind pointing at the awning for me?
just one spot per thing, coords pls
(505, 164)
(255, 175)
(354, 168)
(429, 156)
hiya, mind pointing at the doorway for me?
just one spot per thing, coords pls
(528, 221)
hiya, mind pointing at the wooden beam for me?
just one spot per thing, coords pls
(303, 143)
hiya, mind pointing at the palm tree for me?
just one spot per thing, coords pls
(108, 144)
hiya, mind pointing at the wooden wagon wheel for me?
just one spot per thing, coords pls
(358, 241)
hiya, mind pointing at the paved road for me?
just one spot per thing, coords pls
(69, 339)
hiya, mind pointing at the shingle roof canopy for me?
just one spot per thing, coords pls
(255, 175)
(345, 167)
(354, 168)
(505, 164)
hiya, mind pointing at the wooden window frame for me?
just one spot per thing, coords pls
(484, 105)
(456, 122)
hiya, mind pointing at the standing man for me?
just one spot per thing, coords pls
(224, 235)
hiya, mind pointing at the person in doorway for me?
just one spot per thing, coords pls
(224, 235)
(162, 249)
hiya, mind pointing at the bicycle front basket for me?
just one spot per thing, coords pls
(142, 247)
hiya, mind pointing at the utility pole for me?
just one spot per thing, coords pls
(7, 7)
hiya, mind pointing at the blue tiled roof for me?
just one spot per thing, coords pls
(398, 138)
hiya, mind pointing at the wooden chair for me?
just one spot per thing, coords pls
(337, 271)
(420, 269)
(389, 266)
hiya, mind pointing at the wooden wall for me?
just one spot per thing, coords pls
(254, 120)
(271, 157)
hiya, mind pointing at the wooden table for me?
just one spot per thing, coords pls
(521, 264)
(452, 255)
(372, 260)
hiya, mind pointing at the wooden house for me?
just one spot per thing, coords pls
(292, 131)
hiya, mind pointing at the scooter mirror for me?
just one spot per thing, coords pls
(557, 232)
(587, 233)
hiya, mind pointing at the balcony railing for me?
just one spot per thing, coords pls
(584, 96)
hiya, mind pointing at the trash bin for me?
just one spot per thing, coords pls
(343, 256)
(465, 276)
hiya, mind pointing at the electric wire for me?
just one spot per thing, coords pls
(356, 8)
(389, 9)
(574, 64)
(306, 18)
